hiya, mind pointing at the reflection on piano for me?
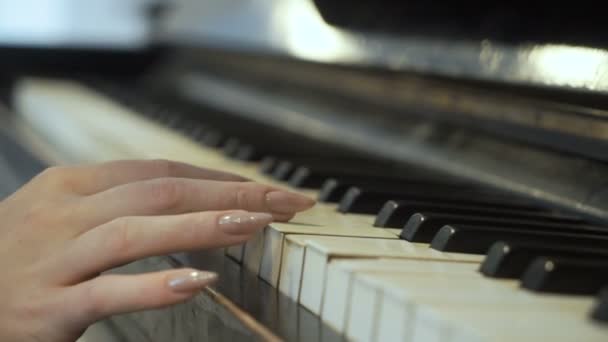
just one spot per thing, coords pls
(461, 183)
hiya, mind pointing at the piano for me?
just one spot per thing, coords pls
(458, 156)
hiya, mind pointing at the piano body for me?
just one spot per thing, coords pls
(459, 156)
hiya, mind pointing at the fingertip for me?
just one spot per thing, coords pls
(308, 202)
(190, 281)
(233, 177)
(114, 294)
(283, 217)
(285, 202)
(243, 222)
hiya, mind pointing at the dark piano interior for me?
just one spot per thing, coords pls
(508, 21)
(504, 165)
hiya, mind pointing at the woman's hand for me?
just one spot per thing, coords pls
(69, 224)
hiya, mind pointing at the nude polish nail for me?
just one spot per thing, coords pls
(191, 281)
(287, 202)
(241, 222)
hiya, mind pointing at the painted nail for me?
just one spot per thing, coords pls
(240, 222)
(287, 202)
(191, 281)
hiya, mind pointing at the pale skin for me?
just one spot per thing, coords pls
(69, 224)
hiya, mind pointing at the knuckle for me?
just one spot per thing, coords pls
(50, 214)
(37, 215)
(242, 195)
(190, 233)
(167, 194)
(249, 195)
(58, 176)
(53, 172)
(94, 304)
(120, 236)
(30, 310)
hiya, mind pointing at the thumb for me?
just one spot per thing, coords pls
(109, 295)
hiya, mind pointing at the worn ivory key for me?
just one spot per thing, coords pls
(532, 321)
(340, 274)
(385, 305)
(262, 254)
(320, 249)
(368, 289)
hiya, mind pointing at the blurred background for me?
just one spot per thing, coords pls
(541, 49)
(127, 24)
(74, 23)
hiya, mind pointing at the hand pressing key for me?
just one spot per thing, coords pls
(69, 224)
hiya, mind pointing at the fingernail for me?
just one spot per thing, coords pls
(287, 202)
(240, 222)
(191, 281)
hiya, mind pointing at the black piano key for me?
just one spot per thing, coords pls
(478, 240)
(600, 310)
(248, 152)
(283, 170)
(332, 191)
(510, 260)
(213, 138)
(312, 173)
(363, 201)
(333, 183)
(197, 132)
(394, 214)
(422, 227)
(305, 177)
(357, 200)
(231, 147)
(268, 165)
(347, 173)
(571, 276)
(167, 119)
(185, 126)
(178, 123)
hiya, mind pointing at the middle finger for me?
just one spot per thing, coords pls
(168, 196)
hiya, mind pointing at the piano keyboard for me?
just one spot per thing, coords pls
(384, 256)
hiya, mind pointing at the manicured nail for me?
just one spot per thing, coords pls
(240, 222)
(191, 281)
(287, 202)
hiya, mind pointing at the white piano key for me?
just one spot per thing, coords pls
(270, 263)
(403, 294)
(395, 313)
(252, 252)
(463, 334)
(274, 237)
(313, 280)
(236, 252)
(364, 313)
(337, 292)
(292, 261)
(530, 322)
(321, 249)
(394, 321)
(340, 275)
(360, 326)
(429, 328)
